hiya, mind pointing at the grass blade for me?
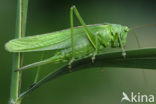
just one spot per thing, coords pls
(143, 58)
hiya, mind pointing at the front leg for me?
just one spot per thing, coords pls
(122, 48)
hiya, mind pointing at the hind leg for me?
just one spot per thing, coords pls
(90, 36)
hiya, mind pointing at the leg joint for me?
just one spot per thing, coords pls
(72, 7)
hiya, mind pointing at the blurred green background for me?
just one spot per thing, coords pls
(97, 85)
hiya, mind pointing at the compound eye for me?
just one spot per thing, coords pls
(126, 29)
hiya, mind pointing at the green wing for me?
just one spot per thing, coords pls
(50, 41)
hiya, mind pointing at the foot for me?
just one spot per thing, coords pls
(124, 54)
(69, 64)
(93, 57)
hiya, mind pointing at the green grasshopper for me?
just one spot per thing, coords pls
(74, 43)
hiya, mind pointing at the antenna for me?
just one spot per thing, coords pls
(141, 26)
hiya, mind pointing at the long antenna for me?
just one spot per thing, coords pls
(141, 26)
(139, 46)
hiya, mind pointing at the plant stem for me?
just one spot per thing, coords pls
(22, 6)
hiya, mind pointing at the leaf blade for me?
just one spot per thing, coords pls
(146, 59)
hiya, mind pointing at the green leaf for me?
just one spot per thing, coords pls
(136, 58)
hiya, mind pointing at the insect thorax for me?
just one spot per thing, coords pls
(110, 35)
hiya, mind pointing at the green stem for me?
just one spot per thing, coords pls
(22, 6)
